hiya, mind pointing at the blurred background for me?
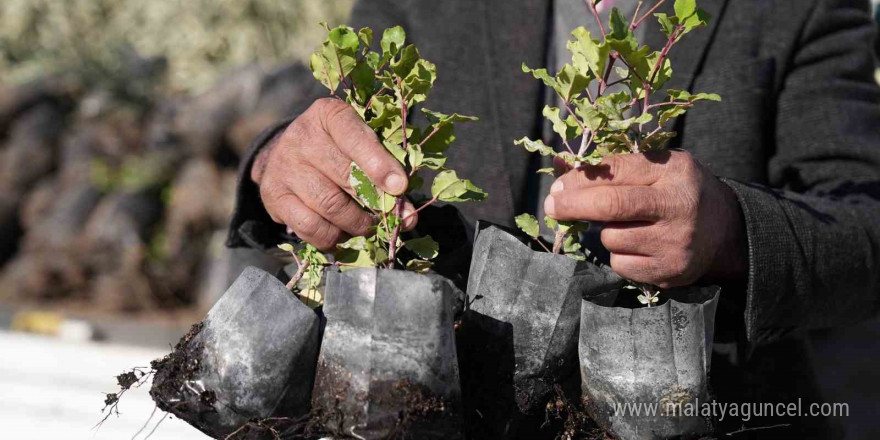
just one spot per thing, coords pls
(121, 125)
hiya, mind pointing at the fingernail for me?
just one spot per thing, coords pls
(548, 206)
(557, 186)
(395, 183)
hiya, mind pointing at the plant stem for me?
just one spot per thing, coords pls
(663, 104)
(300, 271)
(392, 244)
(632, 23)
(603, 82)
(425, 205)
(399, 200)
(370, 102)
(596, 14)
(647, 14)
(557, 244)
(538, 240)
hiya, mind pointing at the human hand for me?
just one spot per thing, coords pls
(669, 221)
(303, 174)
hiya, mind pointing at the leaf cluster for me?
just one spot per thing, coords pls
(622, 121)
(384, 86)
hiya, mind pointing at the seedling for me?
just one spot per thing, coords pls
(621, 122)
(383, 87)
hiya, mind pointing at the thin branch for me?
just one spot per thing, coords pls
(298, 275)
(603, 82)
(398, 205)
(647, 14)
(576, 119)
(425, 205)
(538, 240)
(632, 24)
(370, 102)
(664, 104)
(567, 146)
(596, 14)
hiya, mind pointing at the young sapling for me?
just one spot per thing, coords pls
(611, 100)
(384, 87)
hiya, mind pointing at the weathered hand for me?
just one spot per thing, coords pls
(669, 221)
(303, 174)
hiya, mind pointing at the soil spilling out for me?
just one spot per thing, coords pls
(248, 366)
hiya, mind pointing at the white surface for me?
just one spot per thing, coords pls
(52, 389)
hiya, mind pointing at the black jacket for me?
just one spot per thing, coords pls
(797, 137)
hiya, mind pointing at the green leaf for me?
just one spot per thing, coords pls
(591, 117)
(664, 71)
(419, 266)
(670, 113)
(447, 187)
(588, 55)
(570, 82)
(618, 25)
(657, 141)
(541, 74)
(365, 35)
(699, 19)
(667, 24)
(550, 222)
(548, 171)
(367, 193)
(405, 63)
(706, 97)
(286, 247)
(567, 129)
(344, 38)
(685, 8)
(392, 40)
(533, 146)
(415, 156)
(528, 224)
(425, 247)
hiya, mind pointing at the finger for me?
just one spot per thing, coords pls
(634, 267)
(327, 199)
(305, 223)
(360, 143)
(622, 169)
(636, 238)
(327, 158)
(410, 216)
(606, 204)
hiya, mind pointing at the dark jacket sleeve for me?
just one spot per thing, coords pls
(814, 237)
(251, 225)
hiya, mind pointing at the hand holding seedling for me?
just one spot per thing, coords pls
(304, 175)
(669, 221)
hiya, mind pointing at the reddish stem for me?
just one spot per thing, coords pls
(647, 14)
(300, 271)
(596, 14)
